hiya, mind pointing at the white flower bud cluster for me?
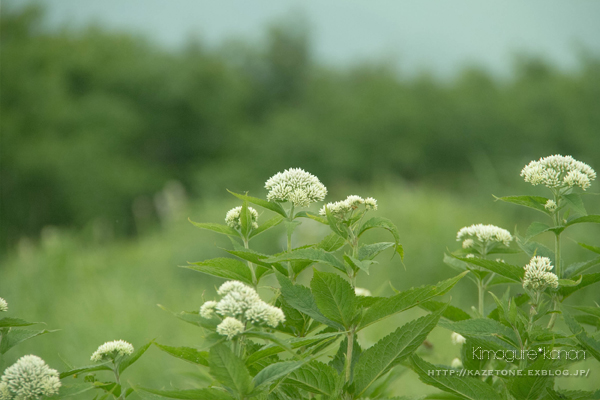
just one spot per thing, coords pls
(456, 363)
(468, 243)
(29, 378)
(362, 292)
(232, 218)
(296, 186)
(550, 206)
(112, 350)
(558, 172)
(352, 202)
(240, 304)
(3, 305)
(538, 275)
(457, 338)
(484, 233)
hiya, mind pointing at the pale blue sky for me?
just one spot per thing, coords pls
(437, 35)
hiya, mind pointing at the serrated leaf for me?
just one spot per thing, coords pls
(570, 282)
(512, 272)
(534, 202)
(588, 342)
(532, 248)
(195, 394)
(276, 371)
(308, 254)
(73, 390)
(465, 387)
(227, 268)
(358, 264)
(223, 229)
(370, 251)
(311, 215)
(531, 387)
(334, 226)
(588, 310)
(379, 222)
(450, 313)
(129, 360)
(188, 354)
(481, 327)
(273, 206)
(276, 220)
(536, 228)
(402, 301)
(10, 322)
(16, 336)
(331, 242)
(301, 298)
(334, 296)
(586, 280)
(595, 219)
(454, 263)
(575, 202)
(579, 268)
(391, 350)
(315, 377)
(229, 369)
(88, 368)
(590, 248)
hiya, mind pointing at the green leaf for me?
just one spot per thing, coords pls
(301, 298)
(273, 206)
(481, 327)
(588, 310)
(402, 301)
(72, 390)
(89, 368)
(586, 218)
(308, 254)
(451, 313)
(357, 264)
(188, 354)
(588, 342)
(129, 360)
(334, 296)
(534, 202)
(227, 268)
(370, 251)
(245, 220)
(465, 387)
(391, 350)
(536, 228)
(532, 248)
(579, 268)
(512, 272)
(586, 280)
(454, 263)
(10, 322)
(311, 215)
(194, 318)
(195, 394)
(315, 377)
(575, 202)
(229, 369)
(276, 220)
(379, 222)
(275, 371)
(335, 226)
(331, 242)
(569, 282)
(16, 336)
(531, 387)
(294, 343)
(223, 229)
(590, 248)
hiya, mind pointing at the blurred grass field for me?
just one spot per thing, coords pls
(98, 291)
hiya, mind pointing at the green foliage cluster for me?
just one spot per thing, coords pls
(92, 120)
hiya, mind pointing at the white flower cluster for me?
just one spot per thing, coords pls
(457, 338)
(550, 206)
(483, 233)
(3, 305)
(538, 275)
(559, 171)
(296, 186)
(351, 203)
(112, 350)
(240, 304)
(29, 378)
(232, 218)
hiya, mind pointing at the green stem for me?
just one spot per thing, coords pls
(481, 292)
(118, 382)
(349, 350)
(289, 242)
(251, 265)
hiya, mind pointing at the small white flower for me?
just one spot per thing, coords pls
(467, 243)
(232, 218)
(470, 256)
(230, 327)
(456, 363)
(296, 186)
(538, 275)
(3, 305)
(237, 299)
(457, 338)
(263, 313)
(29, 378)
(485, 234)
(550, 205)
(112, 350)
(208, 310)
(500, 260)
(370, 203)
(362, 292)
(558, 172)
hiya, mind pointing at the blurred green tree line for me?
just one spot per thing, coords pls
(92, 120)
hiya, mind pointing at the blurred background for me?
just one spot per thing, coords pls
(120, 120)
